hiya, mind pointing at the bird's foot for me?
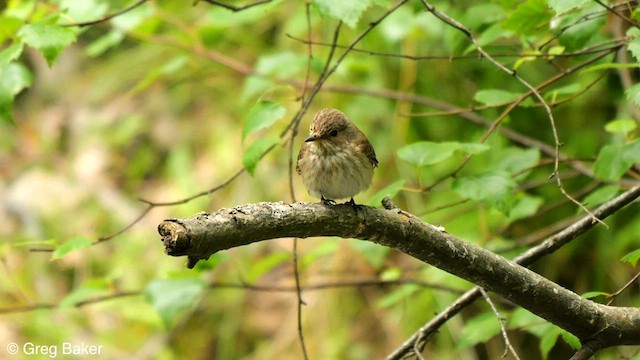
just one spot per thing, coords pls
(353, 204)
(327, 201)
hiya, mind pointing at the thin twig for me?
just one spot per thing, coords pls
(236, 8)
(503, 329)
(622, 289)
(108, 17)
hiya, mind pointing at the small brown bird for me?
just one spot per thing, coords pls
(336, 161)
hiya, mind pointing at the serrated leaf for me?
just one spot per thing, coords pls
(495, 97)
(262, 115)
(427, 153)
(633, 94)
(528, 16)
(632, 257)
(49, 40)
(390, 190)
(563, 6)
(494, 189)
(9, 54)
(81, 242)
(478, 329)
(614, 160)
(634, 48)
(89, 290)
(348, 12)
(255, 151)
(623, 126)
(173, 297)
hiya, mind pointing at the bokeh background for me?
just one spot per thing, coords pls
(152, 104)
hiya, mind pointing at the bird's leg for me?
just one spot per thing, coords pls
(327, 201)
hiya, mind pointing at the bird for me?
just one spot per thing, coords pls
(337, 160)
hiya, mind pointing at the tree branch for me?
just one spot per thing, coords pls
(201, 236)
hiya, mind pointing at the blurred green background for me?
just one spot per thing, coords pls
(153, 104)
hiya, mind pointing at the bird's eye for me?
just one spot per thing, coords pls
(334, 133)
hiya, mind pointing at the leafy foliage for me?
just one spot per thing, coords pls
(166, 99)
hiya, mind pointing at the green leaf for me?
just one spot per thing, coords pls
(478, 329)
(563, 6)
(632, 257)
(256, 151)
(495, 97)
(49, 40)
(515, 160)
(9, 54)
(614, 160)
(264, 265)
(600, 196)
(633, 94)
(374, 254)
(390, 191)
(80, 242)
(570, 339)
(262, 115)
(548, 341)
(348, 12)
(528, 16)
(402, 293)
(594, 294)
(623, 126)
(427, 152)
(525, 206)
(173, 297)
(608, 66)
(89, 290)
(15, 78)
(634, 48)
(494, 189)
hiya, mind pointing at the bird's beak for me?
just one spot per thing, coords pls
(311, 138)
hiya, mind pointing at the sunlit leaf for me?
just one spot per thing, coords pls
(632, 257)
(623, 126)
(348, 12)
(255, 151)
(563, 6)
(494, 97)
(49, 40)
(262, 115)
(516, 160)
(570, 339)
(81, 242)
(173, 297)
(427, 153)
(9, 54)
